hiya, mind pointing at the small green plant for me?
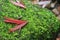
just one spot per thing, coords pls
(42, 22)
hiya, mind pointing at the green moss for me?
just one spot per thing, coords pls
(42, 22)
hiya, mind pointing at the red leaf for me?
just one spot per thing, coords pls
(17, 27)
(10, 20)
(18, 4)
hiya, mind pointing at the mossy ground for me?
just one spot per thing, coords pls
(41, 22)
